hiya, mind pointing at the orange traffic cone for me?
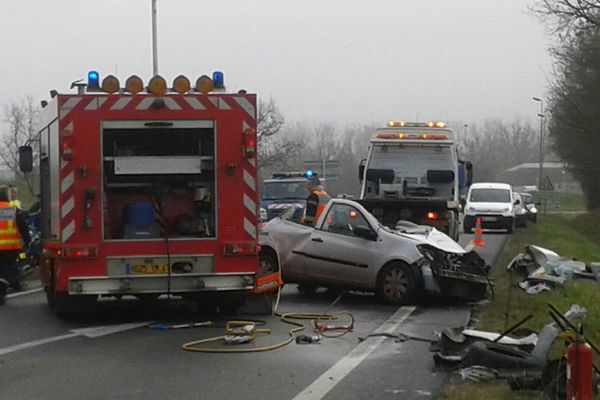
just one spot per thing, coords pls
(478, 239)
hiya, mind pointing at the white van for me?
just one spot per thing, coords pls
(493, 203)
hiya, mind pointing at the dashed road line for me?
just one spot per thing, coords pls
(92, 333)
(24, 293)
(334, 375)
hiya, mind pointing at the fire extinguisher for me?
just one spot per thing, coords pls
(579, 369)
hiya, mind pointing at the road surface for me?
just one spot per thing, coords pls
(111, 353)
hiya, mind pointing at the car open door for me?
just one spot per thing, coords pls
(341, 249)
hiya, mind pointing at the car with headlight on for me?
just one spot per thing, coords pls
(530, 206)
(493, 203)
(348, 248)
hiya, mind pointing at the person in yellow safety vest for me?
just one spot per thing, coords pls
(14, 234)
(12, 195)
(316, 200)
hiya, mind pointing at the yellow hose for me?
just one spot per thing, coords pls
(287, 318)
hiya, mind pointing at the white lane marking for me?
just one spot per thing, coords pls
(35, 343)
(92, 333)
(24, 293)
(334, 375)
(99, 331)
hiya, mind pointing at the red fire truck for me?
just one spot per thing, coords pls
(148, 191)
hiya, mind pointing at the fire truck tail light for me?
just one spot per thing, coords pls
(111, 84)
(157, 85)
(249, 143)
(66, 151)
(79, 252)
(134, 84)
(181, 84)
(241, 249)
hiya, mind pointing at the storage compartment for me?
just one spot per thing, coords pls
(158, 180)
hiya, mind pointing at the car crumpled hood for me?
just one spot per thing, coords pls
(433, 237)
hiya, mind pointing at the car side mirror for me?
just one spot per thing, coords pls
(517, 202)
(361, 169)
(25, 159)
(364, 232)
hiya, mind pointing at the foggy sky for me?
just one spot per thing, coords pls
(333, 60)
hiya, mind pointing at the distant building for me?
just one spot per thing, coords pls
(526, 174)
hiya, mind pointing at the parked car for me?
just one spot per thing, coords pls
(349, 248)
(521, 213)
(530, 206)
(493, 203)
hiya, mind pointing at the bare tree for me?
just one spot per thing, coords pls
(20, 119)
(271, 147)
(567, 17)
(497, 146)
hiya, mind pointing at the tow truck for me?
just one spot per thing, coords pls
(412, 173)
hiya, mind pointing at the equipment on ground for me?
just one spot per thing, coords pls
(413, 173)
(147, 191)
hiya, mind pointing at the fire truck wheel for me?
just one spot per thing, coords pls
(148, 297)
(396, 283)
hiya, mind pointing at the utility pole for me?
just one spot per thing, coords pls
(541, 155)
(154, 41)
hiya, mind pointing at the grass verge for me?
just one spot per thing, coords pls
(571, 236)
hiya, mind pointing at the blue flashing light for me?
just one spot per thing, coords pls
(310, 174)
(218, 80)
(93, 80)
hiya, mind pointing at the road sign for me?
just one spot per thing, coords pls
(547, 184)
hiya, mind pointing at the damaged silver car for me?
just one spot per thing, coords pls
(348, 248)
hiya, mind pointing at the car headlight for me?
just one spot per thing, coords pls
(471, 209)
(533, 210)
(507, 209)
(263, 214)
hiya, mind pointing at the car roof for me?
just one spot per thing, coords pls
(490, 185)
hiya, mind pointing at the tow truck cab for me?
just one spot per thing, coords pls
(411, 173)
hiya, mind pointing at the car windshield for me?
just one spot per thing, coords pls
(284, 190)
(490, 196)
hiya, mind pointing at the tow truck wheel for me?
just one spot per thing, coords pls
(467, 228)
(307, 289)
(396, 284)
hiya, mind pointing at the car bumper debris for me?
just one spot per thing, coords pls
(543, 270)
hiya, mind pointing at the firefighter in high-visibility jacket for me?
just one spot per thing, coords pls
(316, 200)
(14, 235)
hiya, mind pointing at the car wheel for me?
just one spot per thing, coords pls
(268, 263)
(510, 227)
(396, 284)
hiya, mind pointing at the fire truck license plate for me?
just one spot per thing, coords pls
(149, 269)
(489, 219)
